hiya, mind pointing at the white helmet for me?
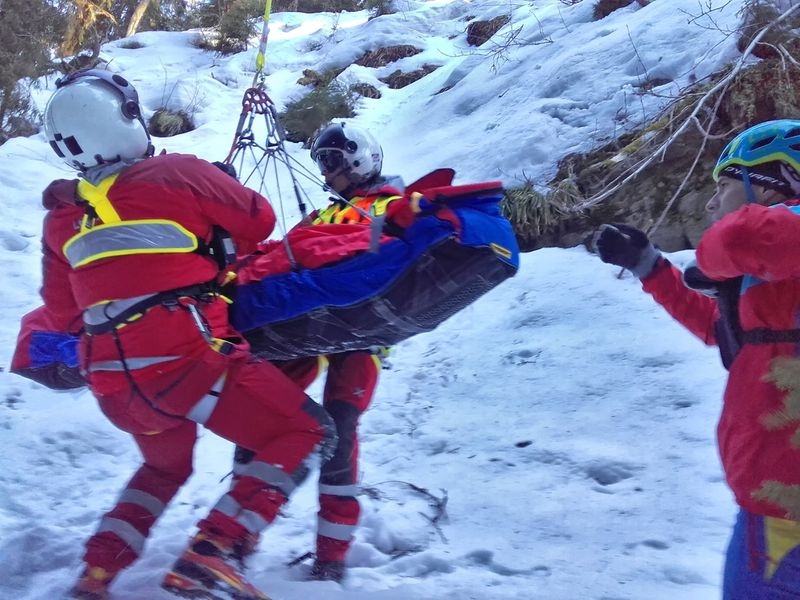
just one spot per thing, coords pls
(341, 145)
(94, 118)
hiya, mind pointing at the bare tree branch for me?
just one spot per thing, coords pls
(722, 84)
(136, 16)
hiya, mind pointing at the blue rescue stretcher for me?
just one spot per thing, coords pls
(459, 248)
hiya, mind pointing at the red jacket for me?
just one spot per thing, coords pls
(180, 364)
(328, 235)
(759, 428)
(177, 187)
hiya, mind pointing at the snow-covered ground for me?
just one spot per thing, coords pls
(563, 422)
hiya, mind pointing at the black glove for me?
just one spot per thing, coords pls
(695, 279)
(626, 246)
(225, 168)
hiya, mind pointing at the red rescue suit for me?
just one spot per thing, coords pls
(350, 384)
(158, 351)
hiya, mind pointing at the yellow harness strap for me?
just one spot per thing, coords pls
(97, 197)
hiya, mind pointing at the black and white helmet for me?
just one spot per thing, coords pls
(94, 118)
(342, 145)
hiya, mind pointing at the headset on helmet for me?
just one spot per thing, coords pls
(763, 143)
(341, 145)
(94, 118)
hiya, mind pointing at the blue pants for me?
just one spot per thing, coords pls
(763, 560)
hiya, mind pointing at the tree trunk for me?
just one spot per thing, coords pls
(136, 17)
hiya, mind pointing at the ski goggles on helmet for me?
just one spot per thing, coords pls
(329, 160)
(130, 99)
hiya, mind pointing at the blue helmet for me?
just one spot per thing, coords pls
(766, 142)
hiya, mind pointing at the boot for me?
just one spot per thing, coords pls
(209, 570)
(92, 585)
(246, 547)
(327, 570)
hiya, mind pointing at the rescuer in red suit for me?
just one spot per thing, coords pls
(129, 247)
(350, 160)
(743, 295)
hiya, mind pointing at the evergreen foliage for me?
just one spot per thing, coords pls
(237, 25)
(314, 6)
(28, 29)
(323, 104)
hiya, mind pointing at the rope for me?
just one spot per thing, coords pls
(262, 44)
(256, 102)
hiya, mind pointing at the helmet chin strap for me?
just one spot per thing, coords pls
(750, 195)
(151, 149)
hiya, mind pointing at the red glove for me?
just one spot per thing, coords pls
(400, 213)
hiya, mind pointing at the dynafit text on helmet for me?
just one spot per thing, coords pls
(742, 294)
(766, 155)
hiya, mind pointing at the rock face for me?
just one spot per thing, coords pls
(603, 8)
(642, 200)
(479, 32)
(767, 90)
